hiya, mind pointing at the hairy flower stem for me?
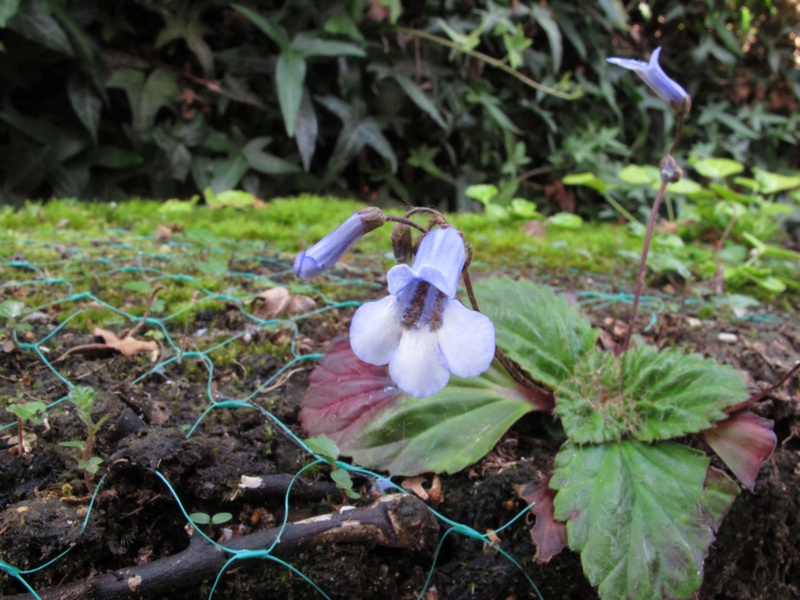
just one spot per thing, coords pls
(651, 222)
(408, 222)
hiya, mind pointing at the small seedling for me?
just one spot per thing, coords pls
(327, 449)
(10, 313)
(201, 518)
(27, 411)
(83, 398)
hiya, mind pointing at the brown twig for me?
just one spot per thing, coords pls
(397, 521)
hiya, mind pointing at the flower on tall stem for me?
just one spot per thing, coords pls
(324, 254)
(653, 75)
(420, 329)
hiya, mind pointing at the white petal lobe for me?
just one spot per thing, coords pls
(466, 339)
(375, 331)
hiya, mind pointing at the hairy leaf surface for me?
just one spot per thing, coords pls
(539, 330)
(647, 394)
(641, 515)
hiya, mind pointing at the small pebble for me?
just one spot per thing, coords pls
(728, 338)
(694, 323)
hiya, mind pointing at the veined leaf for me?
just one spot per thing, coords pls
(446, 432)
(536, 328)
(290, 76)
(358, 407)
(642, 515)
(647, 394)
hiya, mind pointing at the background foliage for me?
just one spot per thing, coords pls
(415, 101)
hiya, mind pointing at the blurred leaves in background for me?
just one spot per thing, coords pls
(410, 101)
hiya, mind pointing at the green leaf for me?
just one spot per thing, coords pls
(482, 192)
(312, 43)
(358, 131)
(137, 286)
(215, 266)
(342, 479)
(274, 31)
(220, 518)
(544, 17)
(72, 444)
(83, 397)
(640, 515)
(29, 411)
(536, 328)
(718, 168)
(113, 157)
(324, 446)
(92, 465)
(445, 432)
(35, 22)
(12, 309)
(647, 394)
(264, 162)
(640, 175)
(8, 8)
(588, 179)
(419, 97)
(306, 130)
(86, 104)
(565, 220)
(200, 518)
(772, 183)
(290, 75)
(683, 186)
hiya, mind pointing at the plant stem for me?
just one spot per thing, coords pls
(651, 222)
(408, 222)
(499, 64)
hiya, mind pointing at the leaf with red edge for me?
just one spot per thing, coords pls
(549, 535)
(358, 406)
(743, 441)
(345, 394)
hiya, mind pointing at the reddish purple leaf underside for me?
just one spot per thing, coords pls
(549, 535)
(743, 441)
(345, 394)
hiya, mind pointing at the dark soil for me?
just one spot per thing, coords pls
(136, 519)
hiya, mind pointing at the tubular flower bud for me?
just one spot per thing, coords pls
(324, 254)
(653, 75)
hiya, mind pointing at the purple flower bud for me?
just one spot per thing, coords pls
(324, 254)
(658, 81)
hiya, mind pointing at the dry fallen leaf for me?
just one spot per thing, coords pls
(414, 485)
(277, 301)
(128, 346)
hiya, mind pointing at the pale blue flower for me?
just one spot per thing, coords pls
(653, 75)
(420, 329)
(324, 254)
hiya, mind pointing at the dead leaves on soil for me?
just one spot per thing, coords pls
(128, 346)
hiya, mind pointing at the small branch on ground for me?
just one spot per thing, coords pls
(396, 521)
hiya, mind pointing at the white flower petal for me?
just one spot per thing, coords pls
(418, 367)
(375, 330)
(466, 340)
(399, 277)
